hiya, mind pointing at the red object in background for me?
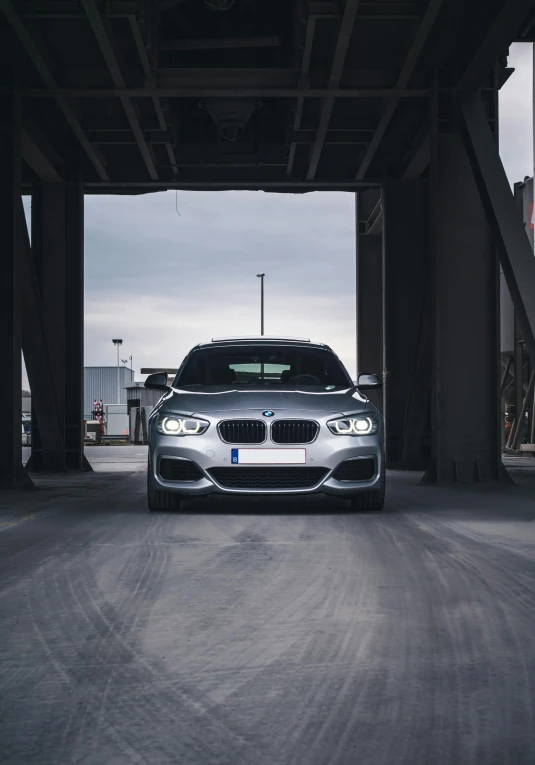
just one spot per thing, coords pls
(98, 414)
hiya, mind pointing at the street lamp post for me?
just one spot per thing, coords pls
(261, 277)
(118, 343)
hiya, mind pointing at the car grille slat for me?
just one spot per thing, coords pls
(355, 470)
(294, 431)
(242, 431)
(268, 477)
(180, 470)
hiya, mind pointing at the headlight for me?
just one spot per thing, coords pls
(354, 426)
(177, 426)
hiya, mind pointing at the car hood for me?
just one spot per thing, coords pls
(316, 399)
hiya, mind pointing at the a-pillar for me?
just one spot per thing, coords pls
(407, 346)
(57, 249)
(465, 371)
(11, 470)
(369, 287)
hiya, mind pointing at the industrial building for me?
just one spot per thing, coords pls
(100, 384)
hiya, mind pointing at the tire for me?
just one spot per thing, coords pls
(159, 500)
(371, 501)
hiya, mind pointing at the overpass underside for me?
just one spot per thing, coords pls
(394, 100)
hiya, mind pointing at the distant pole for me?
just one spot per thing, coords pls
(118, 344)
(261, 277)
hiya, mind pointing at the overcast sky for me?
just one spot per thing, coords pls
(163, 281)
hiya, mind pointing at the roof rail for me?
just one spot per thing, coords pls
(259, 338)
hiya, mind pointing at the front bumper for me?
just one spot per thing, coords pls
(209, 451)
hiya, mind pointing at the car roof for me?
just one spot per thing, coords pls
(257, 340)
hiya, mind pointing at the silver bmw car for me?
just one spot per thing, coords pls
(264, 416)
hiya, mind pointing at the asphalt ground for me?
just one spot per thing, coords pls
(266, 632)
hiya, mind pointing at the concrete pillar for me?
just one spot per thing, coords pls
(11, 471)
(57, 249)
(74, 332)
(48, 251)
(369, 287)
(465, 372)
(407, 346)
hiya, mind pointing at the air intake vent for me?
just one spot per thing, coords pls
(268, 477)
(294, 431)
(243, 431)
(355, 470)
(180, 470)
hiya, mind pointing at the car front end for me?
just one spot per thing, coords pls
(262, 438)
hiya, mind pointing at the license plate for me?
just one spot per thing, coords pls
(268, 456)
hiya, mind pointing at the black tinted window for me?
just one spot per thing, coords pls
(261, 365)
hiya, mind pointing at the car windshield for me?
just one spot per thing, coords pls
(262, 365)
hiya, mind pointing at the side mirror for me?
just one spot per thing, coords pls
(365, 382)
(157, 381)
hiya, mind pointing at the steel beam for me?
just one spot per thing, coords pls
(214, 92)
(407, 346)
(164, 5)
(124, 137)
(54, 327)
(144, 59)
(12, 474)
(115, 71)
(330, 9)
(51, 9)
(419, 158)
(74, 329)
(402, 82)
(466, 438)
(342, 44)
(297, 186)
(305, 66)
(516, 255)
(221, 43)
(369, 292)
(38, 159)
(228, 77)
(49, 258)
(496, 42)
(48, 445)
(46, 75)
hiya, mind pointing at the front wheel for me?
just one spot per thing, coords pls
(369, 500)
(159, 500)
(373, 500)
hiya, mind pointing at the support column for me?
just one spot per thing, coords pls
(369, 287)
(48, 251)
(74, 333)
(11, 471)
(57, 249)
(465, 374)
(407, 341)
